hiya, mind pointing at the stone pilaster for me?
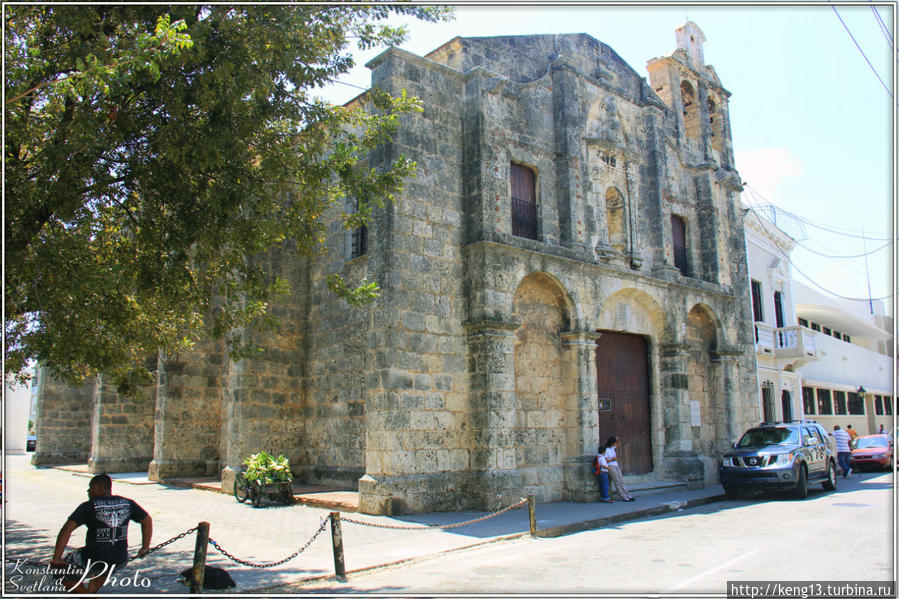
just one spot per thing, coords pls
(188, 413)
(121, 430)
(581, 415)
(568, 128)
(496, 481)
(679, 460)
(729, 363)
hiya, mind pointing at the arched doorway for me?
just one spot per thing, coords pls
(622, 374)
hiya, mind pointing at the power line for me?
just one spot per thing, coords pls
(874, 251)
(860, 50)
(883, 27)
(809, 279)
(804, 220)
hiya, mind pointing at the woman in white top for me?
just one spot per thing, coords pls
(614, 471)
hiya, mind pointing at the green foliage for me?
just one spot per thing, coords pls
(266, 469)
(154, 152)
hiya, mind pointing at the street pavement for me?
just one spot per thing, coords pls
(36, 502)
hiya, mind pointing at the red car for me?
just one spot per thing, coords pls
(874, 451)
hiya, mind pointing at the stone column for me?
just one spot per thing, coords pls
(679, 460)
(121, 430)
(581, 415)
(491, 346)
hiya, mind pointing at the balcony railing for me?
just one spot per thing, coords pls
(764, 338)
(790, 344)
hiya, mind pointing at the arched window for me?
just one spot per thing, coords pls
(691, 110)
(615, 219)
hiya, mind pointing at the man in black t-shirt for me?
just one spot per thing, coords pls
(106, 517)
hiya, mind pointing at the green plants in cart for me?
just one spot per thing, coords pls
(264, 475)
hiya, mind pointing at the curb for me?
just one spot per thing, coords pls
(672, 506)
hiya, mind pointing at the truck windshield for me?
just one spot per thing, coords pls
(760, 437)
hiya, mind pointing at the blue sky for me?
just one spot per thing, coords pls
(813, 128)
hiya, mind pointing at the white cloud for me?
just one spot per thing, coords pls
(766, 169)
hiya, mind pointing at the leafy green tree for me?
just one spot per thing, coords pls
(152, 150)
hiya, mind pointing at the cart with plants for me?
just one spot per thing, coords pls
(264, 477)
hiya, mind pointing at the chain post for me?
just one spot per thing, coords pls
(337, 543)
(532, 515)
(198, 572)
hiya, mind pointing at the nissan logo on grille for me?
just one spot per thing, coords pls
(752, 461)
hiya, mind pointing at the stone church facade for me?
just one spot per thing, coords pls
(568, 264)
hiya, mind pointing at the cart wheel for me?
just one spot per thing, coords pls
(286, 493)
(240, 488)
(256, 496)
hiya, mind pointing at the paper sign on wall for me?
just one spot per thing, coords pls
(695, 416)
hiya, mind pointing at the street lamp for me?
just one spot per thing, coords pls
(861, 390)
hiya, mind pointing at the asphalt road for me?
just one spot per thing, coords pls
(846, 535)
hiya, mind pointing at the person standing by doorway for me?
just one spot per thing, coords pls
(611, 456)
(843, 449)
(601, 470)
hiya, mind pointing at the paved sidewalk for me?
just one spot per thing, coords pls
(38, 500)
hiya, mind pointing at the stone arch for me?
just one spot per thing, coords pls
(705, 386)
(633, 311)
(616, 219)
(543, 386)
(691, 110)
(604, 121)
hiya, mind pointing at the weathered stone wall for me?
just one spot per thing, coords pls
(122, 430)
(63, 426)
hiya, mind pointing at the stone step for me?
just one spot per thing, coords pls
(653, 487)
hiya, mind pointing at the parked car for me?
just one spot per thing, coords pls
(30, 443)
(781, 455)
(872, 451)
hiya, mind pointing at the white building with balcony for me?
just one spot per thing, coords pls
(852, 380)
(818, 357)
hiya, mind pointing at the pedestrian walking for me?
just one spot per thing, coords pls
(601, 470)
(843, 450)
(611, 456)
(106, 517)
(852, 433)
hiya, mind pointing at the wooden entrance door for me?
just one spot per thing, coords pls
(623, 385)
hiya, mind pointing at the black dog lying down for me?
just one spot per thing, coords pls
(215, 578)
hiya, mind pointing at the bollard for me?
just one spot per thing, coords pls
(532, 515)
(199, 569)
(337, 543)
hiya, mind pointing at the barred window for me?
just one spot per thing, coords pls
(856, 404)
(524, 202)
(839, 402)
(824, 404)
(808, 400)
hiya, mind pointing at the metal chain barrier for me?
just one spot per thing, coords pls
(321, 529)
(161, 545)
(436, 526)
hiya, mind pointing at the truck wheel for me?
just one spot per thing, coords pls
(831, 483)
(802, 483)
